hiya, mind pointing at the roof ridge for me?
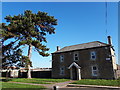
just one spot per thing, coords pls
(102, 42)
(82, 46)
(84, 43)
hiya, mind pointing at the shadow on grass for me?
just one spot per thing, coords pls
(5, 80)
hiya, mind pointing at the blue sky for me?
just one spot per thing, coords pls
(60, 0)
(78, 22)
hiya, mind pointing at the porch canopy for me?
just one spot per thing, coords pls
(75, 73)
(74, 64)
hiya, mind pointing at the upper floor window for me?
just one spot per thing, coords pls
(62, 70)
(94, 71)
(61, 58)
(93, 55)
(76, 58)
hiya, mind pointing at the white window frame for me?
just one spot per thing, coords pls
(92, 53)
(62, 70)
(94, 71)
(61, 58)
(76, 56)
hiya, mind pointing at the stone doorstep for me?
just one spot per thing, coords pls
(93, 86)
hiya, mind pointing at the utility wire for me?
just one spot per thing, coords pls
(106, 17)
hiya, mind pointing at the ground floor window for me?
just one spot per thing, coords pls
(94, 71)
(62, 70)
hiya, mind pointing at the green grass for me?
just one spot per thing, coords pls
(38, 80)
(15, 85)
(98, 82)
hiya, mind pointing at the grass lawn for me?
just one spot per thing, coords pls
(38, 80)
(15, 85)
(98, 82)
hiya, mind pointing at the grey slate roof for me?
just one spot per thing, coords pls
(82, 46)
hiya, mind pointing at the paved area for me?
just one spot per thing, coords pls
(84, 88)
(93, 87)
(67, 86)
(50, 86)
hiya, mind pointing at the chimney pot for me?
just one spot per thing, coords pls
(58, 48)
(109, 40)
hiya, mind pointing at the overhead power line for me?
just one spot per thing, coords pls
(106, 17)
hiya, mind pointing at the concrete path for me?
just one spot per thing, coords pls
(93, 86)
(50, 86)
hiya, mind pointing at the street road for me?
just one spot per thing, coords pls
(84, 88)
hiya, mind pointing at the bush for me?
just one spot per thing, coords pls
(118, 78)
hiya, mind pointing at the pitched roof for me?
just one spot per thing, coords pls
(82, 46)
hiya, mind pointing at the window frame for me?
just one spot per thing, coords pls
(62, 70)
(76, 56)
(61, 58)
(94, 54)
(93, 74)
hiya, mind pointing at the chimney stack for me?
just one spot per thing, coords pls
(109, 40)
(58, 48)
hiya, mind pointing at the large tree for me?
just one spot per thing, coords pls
(9, 56)
(29, 29)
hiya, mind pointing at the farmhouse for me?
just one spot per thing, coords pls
(93, 60)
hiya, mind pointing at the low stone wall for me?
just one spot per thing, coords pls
(41, 74)
(3, 74)
(34, 74)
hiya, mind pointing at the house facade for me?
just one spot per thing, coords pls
(93, 60)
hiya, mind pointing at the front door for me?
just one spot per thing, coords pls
(74, 73)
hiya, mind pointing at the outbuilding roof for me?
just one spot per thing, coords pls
(82, 46)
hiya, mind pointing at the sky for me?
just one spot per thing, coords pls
(78, 22)
(60, 0)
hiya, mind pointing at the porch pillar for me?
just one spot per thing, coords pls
(78, 74)
(71, 76)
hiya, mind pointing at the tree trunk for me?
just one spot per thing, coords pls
(7, 73)
(29, 55)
